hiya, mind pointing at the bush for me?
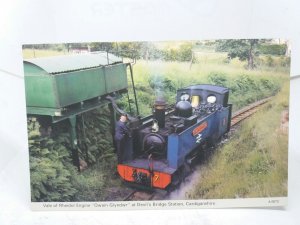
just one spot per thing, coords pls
(160, 83)
(53, 176)
(270, 61)
(184, 53)
(285, 61)
(244, 83)
(217, 79)
(272, 49)
(50, 167)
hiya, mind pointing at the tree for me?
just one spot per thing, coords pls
(244, 49)
(185, 52)
(102, 46)
(136, 50)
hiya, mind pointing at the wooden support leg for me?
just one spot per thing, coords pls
(73, 139)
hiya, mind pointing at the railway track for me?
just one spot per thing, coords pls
(137, 195)
(240, 115)
(247, 111)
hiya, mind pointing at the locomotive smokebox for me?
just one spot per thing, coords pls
(159, 111)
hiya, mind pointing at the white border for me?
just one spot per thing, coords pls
(24, 21)
(165, 204)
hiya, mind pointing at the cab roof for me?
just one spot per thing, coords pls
(206, 87)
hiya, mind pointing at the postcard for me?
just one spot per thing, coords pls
(158, 125)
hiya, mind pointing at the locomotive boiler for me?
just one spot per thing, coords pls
(163, 145)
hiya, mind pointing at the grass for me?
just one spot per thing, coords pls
(254, 163)
(94, 183)
(246, 85)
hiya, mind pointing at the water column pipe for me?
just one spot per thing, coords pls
(133, 87)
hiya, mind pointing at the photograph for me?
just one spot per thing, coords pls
(157, 121)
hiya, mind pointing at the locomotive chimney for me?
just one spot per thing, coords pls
(159, 111)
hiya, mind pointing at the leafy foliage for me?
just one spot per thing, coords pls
(161, 83)
(246, 89)
(243, 49)
(217, 79)
(95, 139)
(50, 167)
(272, 49)
(53, 175)
(181, 54)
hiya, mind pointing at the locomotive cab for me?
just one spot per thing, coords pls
(204, 94)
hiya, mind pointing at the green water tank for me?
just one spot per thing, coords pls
(54, 83)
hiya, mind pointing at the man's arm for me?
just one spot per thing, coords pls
(125, 130)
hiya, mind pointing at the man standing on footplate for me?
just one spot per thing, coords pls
(122, 133)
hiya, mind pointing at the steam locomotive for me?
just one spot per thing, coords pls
(163, 146)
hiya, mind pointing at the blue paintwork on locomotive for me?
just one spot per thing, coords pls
(180, 145)
(208, 129)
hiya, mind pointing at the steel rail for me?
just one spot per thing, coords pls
(136, 195)
(247, 111)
